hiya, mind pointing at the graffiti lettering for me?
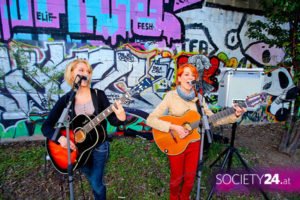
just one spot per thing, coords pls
(145, 26)
(49, 34)
(156, 69)
(106, 19)
(125, 57)
(47, 17)
(32, 90)
(198, 46)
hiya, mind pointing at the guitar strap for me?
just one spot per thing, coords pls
(95, 100)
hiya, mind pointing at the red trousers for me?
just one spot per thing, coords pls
(183, 172)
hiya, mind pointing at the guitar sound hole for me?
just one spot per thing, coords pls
(79, 136)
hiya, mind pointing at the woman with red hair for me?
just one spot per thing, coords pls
(177, 102)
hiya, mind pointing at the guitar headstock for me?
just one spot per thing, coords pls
(141, 86)
(255, 99)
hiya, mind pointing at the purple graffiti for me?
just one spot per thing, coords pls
(179, 4)
(15, 16)
(102, 20)
(48, 15)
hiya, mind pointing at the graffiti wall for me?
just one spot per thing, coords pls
(127, 43)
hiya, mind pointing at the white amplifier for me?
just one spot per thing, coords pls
(236, 84)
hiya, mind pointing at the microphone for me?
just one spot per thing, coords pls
(193, 82)
(81, 77)
(197, 84)
(78, 83)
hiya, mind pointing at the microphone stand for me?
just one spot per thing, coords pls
(205, 130)
(65, 122)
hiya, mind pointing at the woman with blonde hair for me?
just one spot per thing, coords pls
(87, 102)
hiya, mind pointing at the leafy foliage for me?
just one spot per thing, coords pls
(282, 29)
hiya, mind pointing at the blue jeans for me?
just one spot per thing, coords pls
(94, 170)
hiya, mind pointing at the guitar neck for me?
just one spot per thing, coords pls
(145, 83)
(104, 114)
(223, 113)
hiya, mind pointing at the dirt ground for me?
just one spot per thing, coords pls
(261, 140)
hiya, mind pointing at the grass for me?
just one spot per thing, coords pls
(20, 164)
(136, 170)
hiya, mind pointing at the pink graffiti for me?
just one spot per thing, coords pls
(158, 24)
(264, 54)
(179, 4)
(50, 17)
(108, 20)
(17, 16)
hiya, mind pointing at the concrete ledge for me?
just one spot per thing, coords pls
(22, 139)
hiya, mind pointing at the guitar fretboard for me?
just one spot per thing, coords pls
(104, 114)
(223, 113)
(145, 83)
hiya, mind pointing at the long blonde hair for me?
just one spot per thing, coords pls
(71, 66)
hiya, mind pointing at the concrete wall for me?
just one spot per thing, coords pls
(127, 43)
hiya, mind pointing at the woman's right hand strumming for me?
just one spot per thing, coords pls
(64, 143)
(182, 132)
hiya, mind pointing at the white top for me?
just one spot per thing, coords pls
(86, 108)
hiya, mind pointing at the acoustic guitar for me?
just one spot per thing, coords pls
(170, 143)
(85, 133)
